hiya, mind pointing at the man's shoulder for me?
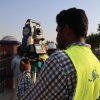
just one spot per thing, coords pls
(59, 55)
(58, 52)
(61, 60)
(15, 58)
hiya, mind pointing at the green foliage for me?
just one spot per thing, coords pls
(93, 40)
(99, 57)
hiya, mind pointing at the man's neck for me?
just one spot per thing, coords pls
(79, 40)
(82, 40)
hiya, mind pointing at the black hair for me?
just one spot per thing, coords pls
(76, 19)
(19, 50)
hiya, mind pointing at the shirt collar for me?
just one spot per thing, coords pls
(79, 44)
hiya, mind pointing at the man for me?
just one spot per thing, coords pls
(15, 66)
(51, 48)
(74, 72)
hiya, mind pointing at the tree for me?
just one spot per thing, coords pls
(91, 40)
(94, 39)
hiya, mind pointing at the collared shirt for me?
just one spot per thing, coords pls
(57, 80)
(15, 66)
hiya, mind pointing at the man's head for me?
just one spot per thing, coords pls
(19, 50)
(72, 25)
(51, 48)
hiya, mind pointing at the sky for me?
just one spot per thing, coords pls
(14, 14)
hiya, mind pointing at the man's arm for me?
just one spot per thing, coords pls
(13, 64)
(49, 84)
(25, 84)
(52, 82)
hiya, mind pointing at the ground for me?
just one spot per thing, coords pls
(6, 95)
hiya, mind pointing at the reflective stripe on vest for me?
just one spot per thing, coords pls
(88, 72)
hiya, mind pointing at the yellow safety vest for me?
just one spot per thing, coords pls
(44, 56)
(88, 72)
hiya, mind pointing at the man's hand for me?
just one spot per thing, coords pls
(25, 66)
(42, 60)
